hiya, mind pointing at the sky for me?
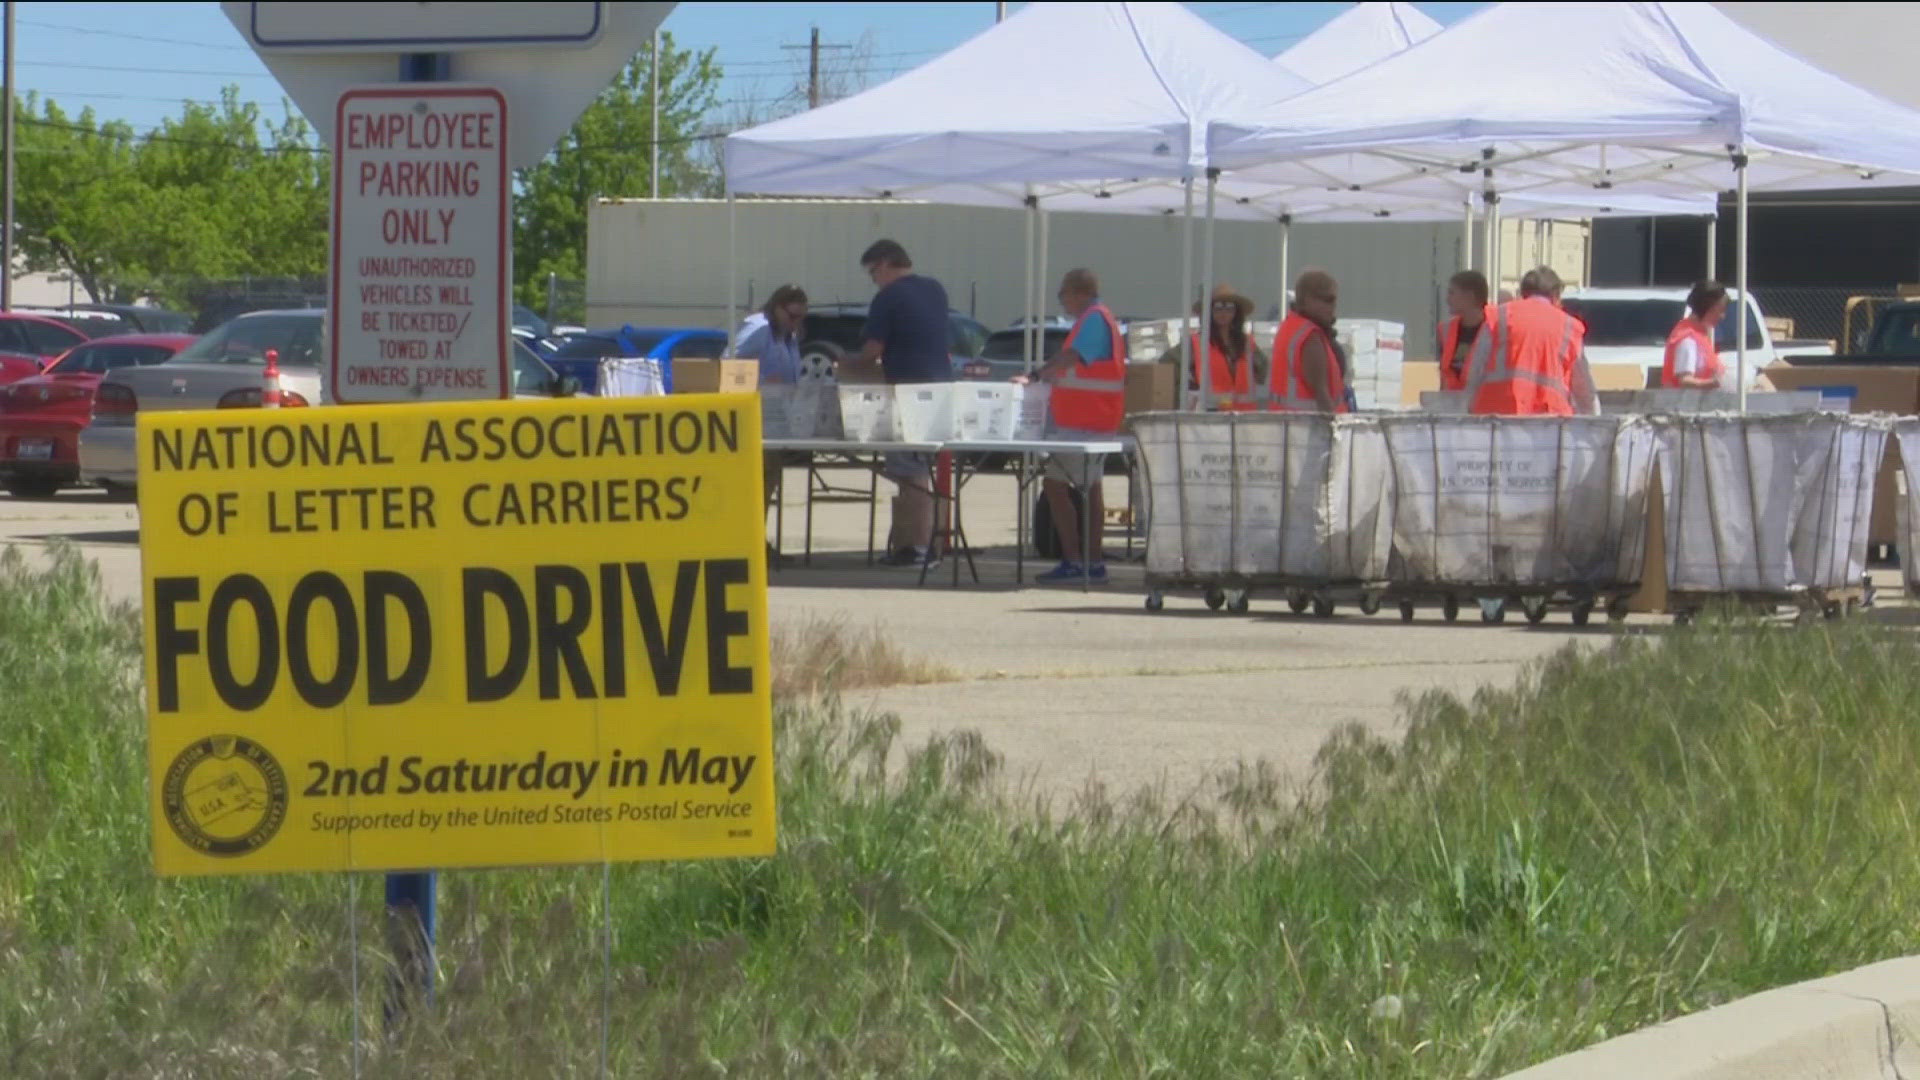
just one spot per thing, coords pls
(139, 61)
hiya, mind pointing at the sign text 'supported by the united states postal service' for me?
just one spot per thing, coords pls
(418, 306)
(456, 634)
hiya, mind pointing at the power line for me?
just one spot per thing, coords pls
(69, 66)
(130, 37)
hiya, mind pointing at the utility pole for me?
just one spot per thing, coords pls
(1000, 11)
(813, 48)
(6, 137)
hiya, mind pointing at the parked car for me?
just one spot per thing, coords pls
(94, 324)
(1630, 326)
(579, 356)
(41, 416)
(834, 332)
(17, 366)
(35, 336)
(223, 371)
(1004, 354)
(143, 319)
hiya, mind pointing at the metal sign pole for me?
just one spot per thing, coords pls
(412, 897)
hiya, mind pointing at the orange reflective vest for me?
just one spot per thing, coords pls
(1092, 395)
(1230, 382)
(1453, 363)
(1688, 330)
(1525, 365)
(1287, 389)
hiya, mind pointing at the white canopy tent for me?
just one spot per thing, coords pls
(1362, 35)
(1664, 98)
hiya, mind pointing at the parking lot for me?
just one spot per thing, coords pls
(1070, 686)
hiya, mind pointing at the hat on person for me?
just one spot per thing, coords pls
(1225, 292)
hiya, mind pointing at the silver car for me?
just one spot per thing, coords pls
(223, 371)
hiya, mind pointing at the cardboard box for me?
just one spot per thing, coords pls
(1866, 389)
(716, 376)
(1418, 377)
(1618, 376)
(1152, 388)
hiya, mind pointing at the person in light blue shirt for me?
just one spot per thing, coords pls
(775, 342)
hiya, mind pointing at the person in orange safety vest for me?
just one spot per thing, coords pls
(1693, 361)
(1229, 373)
(1469, 312)
(1088, 403)
(1531, 360)
(1309, 374)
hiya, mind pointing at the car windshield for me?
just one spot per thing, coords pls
(100, 359)
(596, 346)
(1615, 323)
(530, 376)
(246, 340)
(1011, 344)
(97, 323)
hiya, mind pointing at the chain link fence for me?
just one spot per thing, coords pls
(1841, 314)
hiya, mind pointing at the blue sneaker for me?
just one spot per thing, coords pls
(1069, 572)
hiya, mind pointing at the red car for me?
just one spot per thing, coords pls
(24, 337)
(41, 415)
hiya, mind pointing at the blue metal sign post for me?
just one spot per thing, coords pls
(411, 896)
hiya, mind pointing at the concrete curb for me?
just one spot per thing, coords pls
(1860, 1025)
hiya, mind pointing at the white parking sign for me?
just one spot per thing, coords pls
(419, 307)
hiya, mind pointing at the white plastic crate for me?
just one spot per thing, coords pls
(807, 410)
(923, 412)
(986, 411)
(1032, 405)
(866, 413)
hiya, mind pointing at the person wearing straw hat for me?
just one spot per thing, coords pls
(1229, 373)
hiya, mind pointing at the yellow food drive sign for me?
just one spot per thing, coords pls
(456, 634)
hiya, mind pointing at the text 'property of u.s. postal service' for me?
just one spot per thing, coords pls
(419, 306)
(456, 634)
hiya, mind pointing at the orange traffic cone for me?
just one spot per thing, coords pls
(270, 381)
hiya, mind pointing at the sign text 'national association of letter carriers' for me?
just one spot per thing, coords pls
(456, 634)
(419, 307)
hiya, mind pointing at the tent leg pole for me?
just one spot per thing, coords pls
(1713, 244)
(733, 230)
(1466, 237)
(1286, 256)
(1027, 331)
(1204, 354)
(1740, 256)
(1186, 295)
(1488, 253)
(1040, 294)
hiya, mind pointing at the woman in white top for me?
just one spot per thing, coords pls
(1693, 360)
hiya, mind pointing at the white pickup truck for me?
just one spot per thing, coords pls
(1630, 326)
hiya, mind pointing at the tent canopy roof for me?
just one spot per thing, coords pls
(1059, 91)
(1655, 96)
(1362, 35)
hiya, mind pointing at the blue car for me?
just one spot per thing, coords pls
(580, 355)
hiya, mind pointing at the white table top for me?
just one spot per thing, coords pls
(848, 446)
(1114, 445)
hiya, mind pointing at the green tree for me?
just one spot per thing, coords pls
(217, 192)
(608, 152)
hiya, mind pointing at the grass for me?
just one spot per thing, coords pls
(818, 655)
(1633, 833)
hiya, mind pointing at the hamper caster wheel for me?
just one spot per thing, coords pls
(1369, 603)
(1450, 608)
(1495, 614)
(1406, 611)
(1297, 601)
(1535, 609)
(1216, 598)
(1582, 611)
(1617, 609)
(1156, 601)
(1323, 606)
(1239, 603)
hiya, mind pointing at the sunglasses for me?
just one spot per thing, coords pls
(1225, 305)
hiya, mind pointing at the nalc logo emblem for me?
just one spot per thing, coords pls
(225, 795)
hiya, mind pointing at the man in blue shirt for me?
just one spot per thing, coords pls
(908, 338)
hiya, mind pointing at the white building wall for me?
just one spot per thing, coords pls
(664, 262)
